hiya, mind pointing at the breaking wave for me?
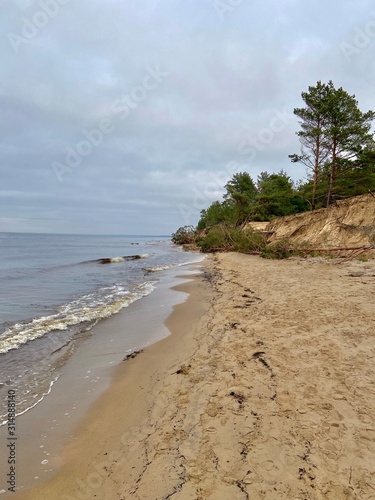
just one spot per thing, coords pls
(113, 260)
(88, 309)
(35, 403)
(156, 268)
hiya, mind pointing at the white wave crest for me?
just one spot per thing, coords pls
(156, 268)
(35, 403)
(88, 308)
(117, 259)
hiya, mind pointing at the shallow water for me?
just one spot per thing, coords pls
(83, 374)
(55, 288)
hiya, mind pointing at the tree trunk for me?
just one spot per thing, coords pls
(316, 167)
(332, 173)
(316, 173)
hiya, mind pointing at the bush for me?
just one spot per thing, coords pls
(214, 240)
(280, 250)
(246, 240)
(184, 236)
(224, 238)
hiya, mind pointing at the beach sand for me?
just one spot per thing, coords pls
(264, 390)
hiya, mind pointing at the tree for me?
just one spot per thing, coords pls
(360, 177)
(347, 130)
(314, 147)
(184, 235)
(213, 215)
(334, 133)
(240, 194)
(276, 197)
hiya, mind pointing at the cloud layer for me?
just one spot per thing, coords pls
(128, 117)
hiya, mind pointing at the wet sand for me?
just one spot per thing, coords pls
(265, 389)
(83, 374)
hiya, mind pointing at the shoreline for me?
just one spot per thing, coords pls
(85, 374)
(269, 395)
(128, 376)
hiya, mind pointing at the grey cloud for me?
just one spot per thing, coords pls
(227, 80)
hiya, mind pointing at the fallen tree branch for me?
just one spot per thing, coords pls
(339, 249)
(355, 254)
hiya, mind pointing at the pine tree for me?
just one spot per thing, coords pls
(314, 150)
(347, 131)
(240, 194)
(334, 133)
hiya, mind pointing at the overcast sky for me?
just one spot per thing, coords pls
(128, 116)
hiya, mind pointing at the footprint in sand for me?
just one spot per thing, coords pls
(214, 409)
(339, 397)
(333, 491)
(367, 439)
(334, 431)
(336, 416)
(194, 469)
(268, 465)
(331, 448)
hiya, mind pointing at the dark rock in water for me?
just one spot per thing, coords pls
(111, 260)
(133, 354)
(105, 261)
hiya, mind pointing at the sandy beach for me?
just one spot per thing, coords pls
(264, 390)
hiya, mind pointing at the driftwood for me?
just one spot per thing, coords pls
(339, 249)
(355, 251)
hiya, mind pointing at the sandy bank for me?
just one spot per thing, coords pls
(347, 223)
(265, 390)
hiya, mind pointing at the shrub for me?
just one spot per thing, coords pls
(363, 259)
(216, 239)
(246, 240)
(223, 238)
(280, 250)
(184, 235)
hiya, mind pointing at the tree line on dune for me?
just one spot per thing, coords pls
(338, 150)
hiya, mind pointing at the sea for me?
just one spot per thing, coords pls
(54, 288)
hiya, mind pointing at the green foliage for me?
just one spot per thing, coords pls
(338, 149)
(363, 259)
(225, 238)
(355, 178)
(334, 134)
(246, 240)
(184, 235)
(215, 240)
(215, 214)
(240, 188)
(273, 196)
(240, 195)
(276, 197)
(280, 250)
(360, 177)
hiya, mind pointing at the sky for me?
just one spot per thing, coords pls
(129, 117)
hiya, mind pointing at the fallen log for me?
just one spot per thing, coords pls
(339, 249)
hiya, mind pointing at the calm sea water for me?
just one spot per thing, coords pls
(54, 288)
